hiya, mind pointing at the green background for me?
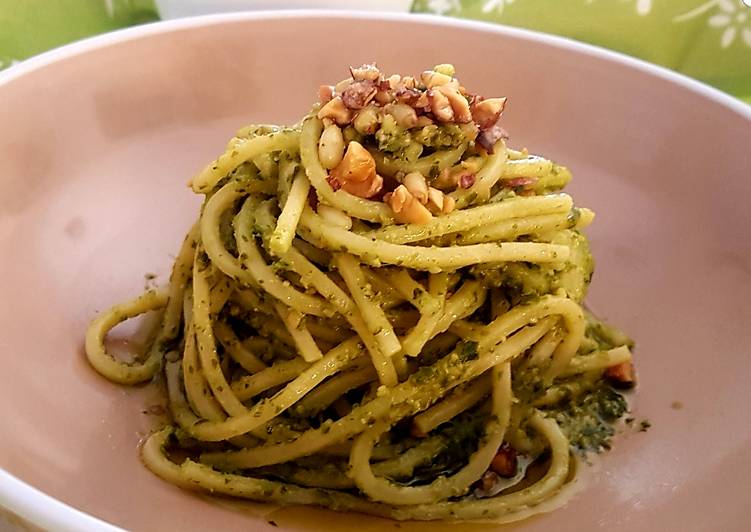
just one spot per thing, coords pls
(29, 27)
(709, 40)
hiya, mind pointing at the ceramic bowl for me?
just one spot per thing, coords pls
(99, 138)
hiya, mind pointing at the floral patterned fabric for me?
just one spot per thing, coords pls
(709, 40)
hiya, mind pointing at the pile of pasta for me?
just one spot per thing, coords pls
(376, 311)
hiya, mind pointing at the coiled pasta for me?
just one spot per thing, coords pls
(377, 311)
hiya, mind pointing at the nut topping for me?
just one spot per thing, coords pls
(366, 121)
(487, 112)
(337, 111)
(435, 200)
(404, 115)
(358, 94)
(440, 105)
(325, 93)
(407, 209)
(365, 72)
(466, 179)
(364, 99)
(431, 79)
(459, 104)
(356, 173)
(417, 186)
(331, 146)
(488, 137)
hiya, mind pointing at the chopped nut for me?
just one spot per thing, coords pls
(466, 179)
(431, 79)
(343, 84)
(365, 72)
(422, 103)
(408, 82)
(491, 130)
(406, 207)
(395, 199)
(449, 204)
(331, 146)
(621, 375)
(325, 93)
(488, 137)
(358, 94)
(366, 189)
(462, 175)
(357, 165)
(337, 111)
(383, 97)
(408, 96)
(504, 462)
(357, 173)
(417, 186)
(440, 106)
(487, 112)
(435, 200)
(394, 82)
(459, 104)
(366, 121)
(404, 115)
(445, 68)
(334, 216)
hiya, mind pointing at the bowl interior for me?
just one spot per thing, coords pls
(97, 148)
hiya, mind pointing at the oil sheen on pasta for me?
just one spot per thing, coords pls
(379, 310)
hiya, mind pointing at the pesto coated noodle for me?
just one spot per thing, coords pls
(379, 310)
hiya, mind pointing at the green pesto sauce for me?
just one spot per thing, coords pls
(588, 420)
(468, 351)
(604, 336)
(461, 436)
(586, 415)
(409, 144)
(522, 281)
(557, 179)
(226, 232)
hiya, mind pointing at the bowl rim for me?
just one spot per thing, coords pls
(37, 508)
(30, 505)
(88, 44)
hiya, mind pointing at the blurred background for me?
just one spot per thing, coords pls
(709, 40)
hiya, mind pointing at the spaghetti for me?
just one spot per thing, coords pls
(379, 310)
